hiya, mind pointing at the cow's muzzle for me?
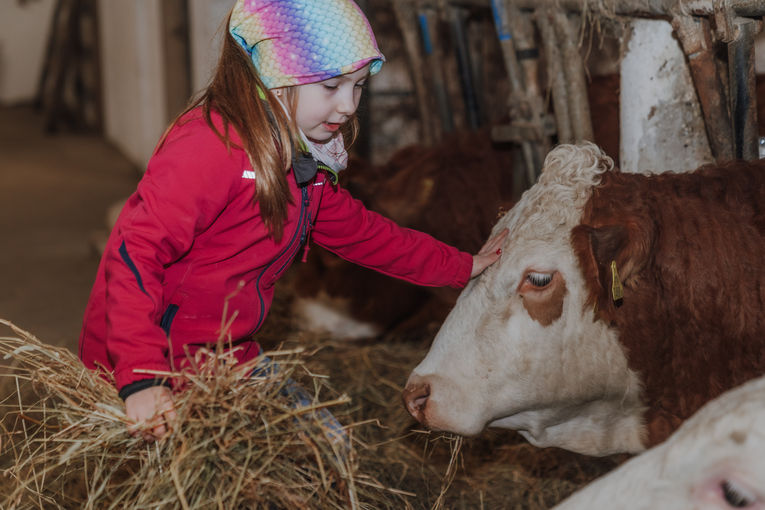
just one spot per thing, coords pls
(415, 397)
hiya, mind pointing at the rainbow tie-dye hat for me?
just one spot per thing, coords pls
(294, 42)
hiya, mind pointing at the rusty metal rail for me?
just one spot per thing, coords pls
(651, 8)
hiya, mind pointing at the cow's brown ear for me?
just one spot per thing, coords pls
(607, 243)
(596, 249)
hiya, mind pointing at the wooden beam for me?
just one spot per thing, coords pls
(641, 8)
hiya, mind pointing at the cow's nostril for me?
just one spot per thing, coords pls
(415, 399)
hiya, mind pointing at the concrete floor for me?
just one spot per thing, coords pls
(54, 192)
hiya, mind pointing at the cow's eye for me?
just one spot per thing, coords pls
(539, 279)
(735, 496)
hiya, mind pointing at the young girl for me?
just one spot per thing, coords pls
(234, 190)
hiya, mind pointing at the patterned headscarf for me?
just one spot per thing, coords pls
(294, 42)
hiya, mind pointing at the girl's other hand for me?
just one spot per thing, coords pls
(489, 253)
(151, 412)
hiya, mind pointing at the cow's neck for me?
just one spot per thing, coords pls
(603, 427)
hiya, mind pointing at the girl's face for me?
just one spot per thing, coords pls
(324, 106)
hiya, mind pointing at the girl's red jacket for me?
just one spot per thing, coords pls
(191, 241)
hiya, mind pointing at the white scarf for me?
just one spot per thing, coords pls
(331, 153)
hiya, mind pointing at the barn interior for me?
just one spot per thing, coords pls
(453, 131)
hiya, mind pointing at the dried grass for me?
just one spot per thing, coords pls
(498, 469)
(230, 454)
(242, 442)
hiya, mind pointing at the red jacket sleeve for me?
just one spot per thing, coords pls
(344, 226)
(186, 185)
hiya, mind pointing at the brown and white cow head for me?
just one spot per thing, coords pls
(522, 348)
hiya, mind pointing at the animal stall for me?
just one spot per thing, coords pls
(688, 90)
(79, 454)
(545, 46)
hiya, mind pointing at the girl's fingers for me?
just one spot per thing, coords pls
(170, 416)
(156, 428)
(159, 431)
(489, 253)
(494, 243)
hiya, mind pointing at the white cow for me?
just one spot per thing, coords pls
(715, 460)
(620, 305)
(486, 367)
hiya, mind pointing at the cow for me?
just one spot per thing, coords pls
(622, 302)
(715, 460)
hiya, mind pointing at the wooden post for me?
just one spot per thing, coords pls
(555, 74)
(696, 39)
(742, 86)
(407, 22)
(573, 71)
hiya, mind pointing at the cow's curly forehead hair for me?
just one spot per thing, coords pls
(570, 173)
(575, 165)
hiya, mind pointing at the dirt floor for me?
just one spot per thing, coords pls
(54, 192)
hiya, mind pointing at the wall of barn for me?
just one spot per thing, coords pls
(135, 70)
(207, 20)
(23, 37)
(133, 78)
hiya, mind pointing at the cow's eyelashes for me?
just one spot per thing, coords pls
(735, 496)
(539, 279)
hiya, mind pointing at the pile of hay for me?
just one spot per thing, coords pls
(244, 444)
(498, 469)
(241, 442)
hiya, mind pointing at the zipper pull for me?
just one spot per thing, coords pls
(309, 226)
(306, 247)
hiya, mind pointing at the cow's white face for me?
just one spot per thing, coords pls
(520, 350)
(715, 460)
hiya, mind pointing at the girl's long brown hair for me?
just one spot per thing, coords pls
(267, 133)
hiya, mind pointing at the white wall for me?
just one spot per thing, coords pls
(133, 76)
(23, 40)
(207, 24)
(661, 126)
(135, 109)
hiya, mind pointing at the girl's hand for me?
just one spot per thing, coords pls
(489, 253)
(151, 411)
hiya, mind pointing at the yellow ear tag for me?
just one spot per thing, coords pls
(617, 291)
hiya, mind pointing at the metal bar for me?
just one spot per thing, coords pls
(457, 18)
(428, 19)
(742, 86)
(527, 53)
(535, 107)
(517, 82)
(505, 36)
(405, 15)
(638, 8)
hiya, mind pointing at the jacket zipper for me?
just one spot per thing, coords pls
(302, 228)
(300, 231)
